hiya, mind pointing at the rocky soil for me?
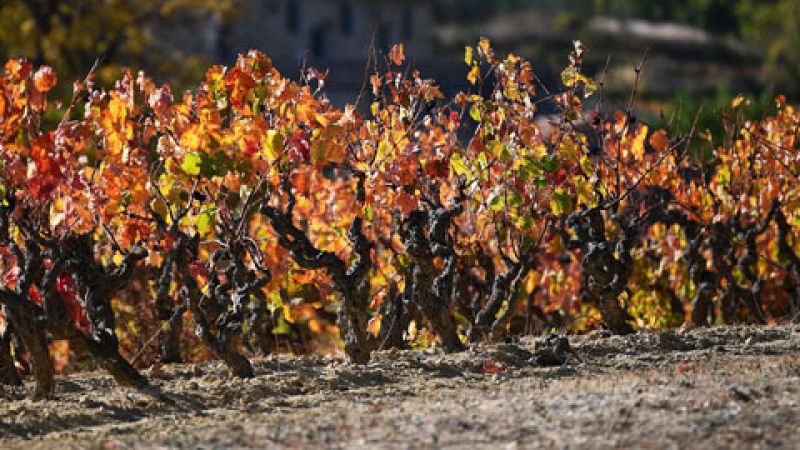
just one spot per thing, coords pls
(731, 387)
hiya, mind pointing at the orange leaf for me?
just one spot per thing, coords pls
(17, 69)
(376, 85)
(374, 324)
(659, 141)
(397, 54)
(44, 79)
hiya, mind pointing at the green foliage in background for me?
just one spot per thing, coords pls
(686, 111)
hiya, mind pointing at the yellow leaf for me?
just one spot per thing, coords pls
(476, 113)
(191, 164)
(533, 281)
(485, 45)
(474, 74)
(315, 326)
(287, 313)
(457, 164)
(585, 192)
(204, 224)
(190, 139)
(322, 120)
(117, 109)
(57, 212)
(737, 101)
(468, 55)
(569, 151)
(561, 202)
(587, 166)
(384, 150)
(637, 148)
(273, 147)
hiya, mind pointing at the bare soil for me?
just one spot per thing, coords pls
(731, 387)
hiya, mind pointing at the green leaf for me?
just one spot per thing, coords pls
(497, 202)
(524, 223)
(549, 163)
(529, 169)
(483, 161)
(209, 166)
(204, 224)
(569, 76)
(368, 214)
(515, 199)
(561, 203)
(282, 328)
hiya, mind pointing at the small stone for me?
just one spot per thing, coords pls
(740, 394)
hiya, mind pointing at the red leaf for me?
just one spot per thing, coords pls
(300, 148)
(489, 366)
(198, 269)
(407, 203)
(65, 286)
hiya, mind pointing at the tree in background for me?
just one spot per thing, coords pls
(774, 25)
(71, 35)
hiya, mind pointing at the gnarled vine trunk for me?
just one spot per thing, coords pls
(432, 289)
(351, 283)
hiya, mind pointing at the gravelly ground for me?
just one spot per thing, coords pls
(732, 387)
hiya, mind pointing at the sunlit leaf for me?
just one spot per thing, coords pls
(397, 54)
(474, 74)
(274, 145)
(191, 164)
(660, 141)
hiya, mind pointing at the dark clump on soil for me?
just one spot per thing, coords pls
(735, 387)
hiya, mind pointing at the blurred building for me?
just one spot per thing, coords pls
(337, 35)
(331, 30)
(333, 35)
